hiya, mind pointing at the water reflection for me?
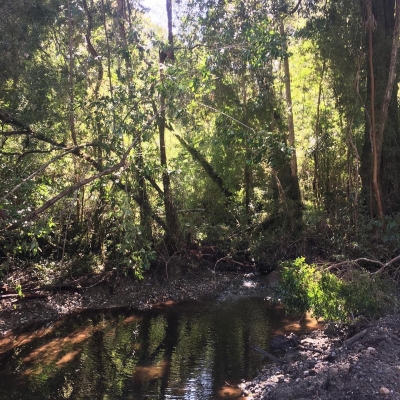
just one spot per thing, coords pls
(185, 351)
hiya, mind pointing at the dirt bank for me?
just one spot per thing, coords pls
(369, 368)
(112, 291)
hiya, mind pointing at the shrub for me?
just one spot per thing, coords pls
(305, 287)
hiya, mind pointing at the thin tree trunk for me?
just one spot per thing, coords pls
(375, 151)
(172, 236)
(71, 76)
(289, 106)
(247, 166)
(138, 160)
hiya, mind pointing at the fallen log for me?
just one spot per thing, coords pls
(353, 339)
(25, 296)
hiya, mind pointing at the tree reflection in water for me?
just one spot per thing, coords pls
(176, 351)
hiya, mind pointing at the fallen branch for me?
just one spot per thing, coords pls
(25, 296)
(269, 355)
(368, 260)
(355, 338)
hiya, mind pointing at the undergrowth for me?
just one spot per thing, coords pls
(356, 293)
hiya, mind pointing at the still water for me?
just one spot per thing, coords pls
(195, 350)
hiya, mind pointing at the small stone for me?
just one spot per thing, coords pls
(384, 390)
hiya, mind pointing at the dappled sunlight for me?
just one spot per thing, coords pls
(306, 323)
(49, 352)
(131, 318)
(68, 357)
(12, 340)
(163, 304)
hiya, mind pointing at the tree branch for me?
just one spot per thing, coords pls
(70, 189)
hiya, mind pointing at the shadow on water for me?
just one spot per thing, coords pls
(192, 350)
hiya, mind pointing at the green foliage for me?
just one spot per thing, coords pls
(306, 287)
(18, 289)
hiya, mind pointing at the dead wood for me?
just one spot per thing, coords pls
(25, 296)
(355, 338)
(269, 355)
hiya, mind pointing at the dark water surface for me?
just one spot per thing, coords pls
(195, 350)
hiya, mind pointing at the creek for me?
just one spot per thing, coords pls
(190, 350)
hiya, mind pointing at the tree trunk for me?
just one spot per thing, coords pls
(380, 168)
(172, 235)
(289, 107)
(144, 208)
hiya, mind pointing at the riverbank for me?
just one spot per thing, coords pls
(109, 291)
(364, 366)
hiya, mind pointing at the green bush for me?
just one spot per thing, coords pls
(305, 287)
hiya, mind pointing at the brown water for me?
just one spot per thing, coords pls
(175, 351)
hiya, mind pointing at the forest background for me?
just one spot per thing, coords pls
(265, 128)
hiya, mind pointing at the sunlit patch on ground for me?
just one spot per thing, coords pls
(250, 284)
(168, 303)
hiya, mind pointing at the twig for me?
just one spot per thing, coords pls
(269, 355)
(221, 259)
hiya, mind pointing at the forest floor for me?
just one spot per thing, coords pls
(328, 366)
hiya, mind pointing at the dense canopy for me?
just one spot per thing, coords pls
(269, 128)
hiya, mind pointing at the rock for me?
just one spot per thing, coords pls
(384, 390)
(282, 342)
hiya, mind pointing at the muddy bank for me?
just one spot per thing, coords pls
(335, 368)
